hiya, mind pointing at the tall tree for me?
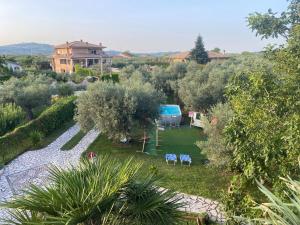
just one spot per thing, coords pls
(269, 24)
(264, 131)
(198, 53)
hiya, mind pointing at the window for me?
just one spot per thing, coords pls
(63, 61)
(93, 51)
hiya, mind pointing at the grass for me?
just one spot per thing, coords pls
(198, 179)
(54, 135)
(74, 141)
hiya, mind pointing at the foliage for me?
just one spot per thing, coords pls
(203, 87)
(269, 24)
(65, 89)
(108, 107)
(114, 77)
(264, 132)
(167, 79)
(73, 141)
(114, 108)
(216, 49)
(36, 137)
(83, 71)
(278, 211)
(139, 61)
(215, 146)
(18, 141)
(28, 92)
(87, 194)
(198, 53)
(10, 117)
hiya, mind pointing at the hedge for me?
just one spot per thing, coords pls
(18, 141)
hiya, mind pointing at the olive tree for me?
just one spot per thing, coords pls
(215, 147)
(115, 109)
(203, 87)
(28, 92)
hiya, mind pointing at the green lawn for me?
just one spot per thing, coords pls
(198, 179)
(74, 141)
(55, 134)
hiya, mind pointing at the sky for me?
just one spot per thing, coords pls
(136, 25)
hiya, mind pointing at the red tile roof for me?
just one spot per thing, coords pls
(211, 55)
(79, 44)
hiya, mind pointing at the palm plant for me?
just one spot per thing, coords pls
(103, 192)
(279, 212)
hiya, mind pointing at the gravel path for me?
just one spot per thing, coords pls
(32, 168)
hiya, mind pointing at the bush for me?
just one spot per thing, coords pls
(113, 77)
(65, 89)
(215, 146)
(36, 137)
(10, 116)
(18, 141)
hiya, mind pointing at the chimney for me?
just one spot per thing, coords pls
(224, 52)
(81, 40)
(100, 44)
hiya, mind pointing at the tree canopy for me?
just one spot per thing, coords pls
(264, 131)
(114, 108)
(271, 25)
(28, 92)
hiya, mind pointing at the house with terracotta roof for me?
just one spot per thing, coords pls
(186, 56)
(85, 54)
(124, 55)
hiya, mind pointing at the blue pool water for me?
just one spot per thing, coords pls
(173, 110)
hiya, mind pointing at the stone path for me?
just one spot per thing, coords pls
(32, 168)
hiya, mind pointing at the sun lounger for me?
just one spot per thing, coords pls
(171, 157)
(185, 158)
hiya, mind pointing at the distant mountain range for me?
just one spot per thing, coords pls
(46, 49)
(26, 49)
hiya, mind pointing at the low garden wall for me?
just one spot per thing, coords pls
(18, 141)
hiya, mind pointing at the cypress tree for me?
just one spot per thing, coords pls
(198, 53)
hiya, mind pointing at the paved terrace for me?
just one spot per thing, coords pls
(32, 168)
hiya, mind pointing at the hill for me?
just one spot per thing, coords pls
(46, 49)
(26, 49)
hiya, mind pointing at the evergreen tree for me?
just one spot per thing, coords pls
(199, 53)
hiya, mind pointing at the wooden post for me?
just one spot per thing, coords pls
(101, 66)
(156, 137)
(144, 142)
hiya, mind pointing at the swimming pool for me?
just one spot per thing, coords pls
(170, 110)
(169, 115)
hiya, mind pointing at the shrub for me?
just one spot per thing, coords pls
(10, 116)
(215, 146)
(18, 141)
(65, 89)
(36, 137)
